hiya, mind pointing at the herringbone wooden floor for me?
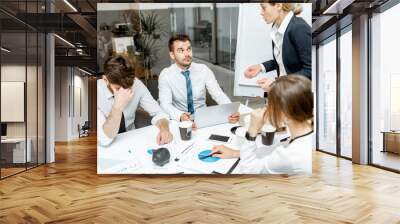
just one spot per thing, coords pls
(70, 191)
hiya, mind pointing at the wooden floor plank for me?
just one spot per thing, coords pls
(70, 191)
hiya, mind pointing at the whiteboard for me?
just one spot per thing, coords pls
(12, 101)
(254, 46)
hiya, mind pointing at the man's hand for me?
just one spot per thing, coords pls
(252, 71)
(265, 84)
(224, 152)
(185, 116)
(164, 137)
(122, 97)
(234, 118)
(188, 117)
(256, 121)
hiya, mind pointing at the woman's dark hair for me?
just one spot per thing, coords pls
(119, 71)
(177, 37)
(291, 96)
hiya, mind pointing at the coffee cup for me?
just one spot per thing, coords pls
(268, 134)
(185, 129)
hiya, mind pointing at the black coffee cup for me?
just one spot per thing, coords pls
(268, 134)
(185, 129)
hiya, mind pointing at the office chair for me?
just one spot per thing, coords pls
(84, 130)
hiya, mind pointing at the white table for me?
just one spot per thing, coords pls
(18, 151)
(128, 153)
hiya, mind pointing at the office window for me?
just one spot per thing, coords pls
(211, 27)
(327, 96)
(213, 30)
(385, 89)
(22, 91)
(346, 93)
(227, 25)
(14, 153)
(197, 21)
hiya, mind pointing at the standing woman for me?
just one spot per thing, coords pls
(291, 43)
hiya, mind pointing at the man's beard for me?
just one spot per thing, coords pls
(185, 63)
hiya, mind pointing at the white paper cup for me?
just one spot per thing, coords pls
(185, 130)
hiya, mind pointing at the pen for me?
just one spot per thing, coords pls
(183, 152)
(209, 155)
(187, 148)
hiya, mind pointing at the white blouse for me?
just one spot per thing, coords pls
(277, 34)
(290, 157)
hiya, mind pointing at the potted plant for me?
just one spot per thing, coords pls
(147, 30)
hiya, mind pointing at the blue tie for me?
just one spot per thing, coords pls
(189, 91)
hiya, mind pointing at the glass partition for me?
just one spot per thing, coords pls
(385, 89)
(346, 75)
(22, 64)
(327, 96)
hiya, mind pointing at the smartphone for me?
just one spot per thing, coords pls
(219, 138)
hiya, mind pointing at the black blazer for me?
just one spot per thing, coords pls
(296, 49)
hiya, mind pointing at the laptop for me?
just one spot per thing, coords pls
(214, 115)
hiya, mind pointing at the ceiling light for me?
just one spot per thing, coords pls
(5, 50)
(328, 10)
(70, 5)
(65, 41)
(86, 72)
(338, 6)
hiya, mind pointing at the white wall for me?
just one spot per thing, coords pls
(61, 103)
(67, 116)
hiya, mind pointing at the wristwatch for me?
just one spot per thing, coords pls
(249, 138)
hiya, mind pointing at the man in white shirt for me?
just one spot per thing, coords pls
(119, 95)
(183, 85)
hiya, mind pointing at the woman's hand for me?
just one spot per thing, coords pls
(224, 152)
(265, 84)
(234, 118)
(256, 121)
(252, 71)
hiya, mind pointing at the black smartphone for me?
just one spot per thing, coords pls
(219, 138)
